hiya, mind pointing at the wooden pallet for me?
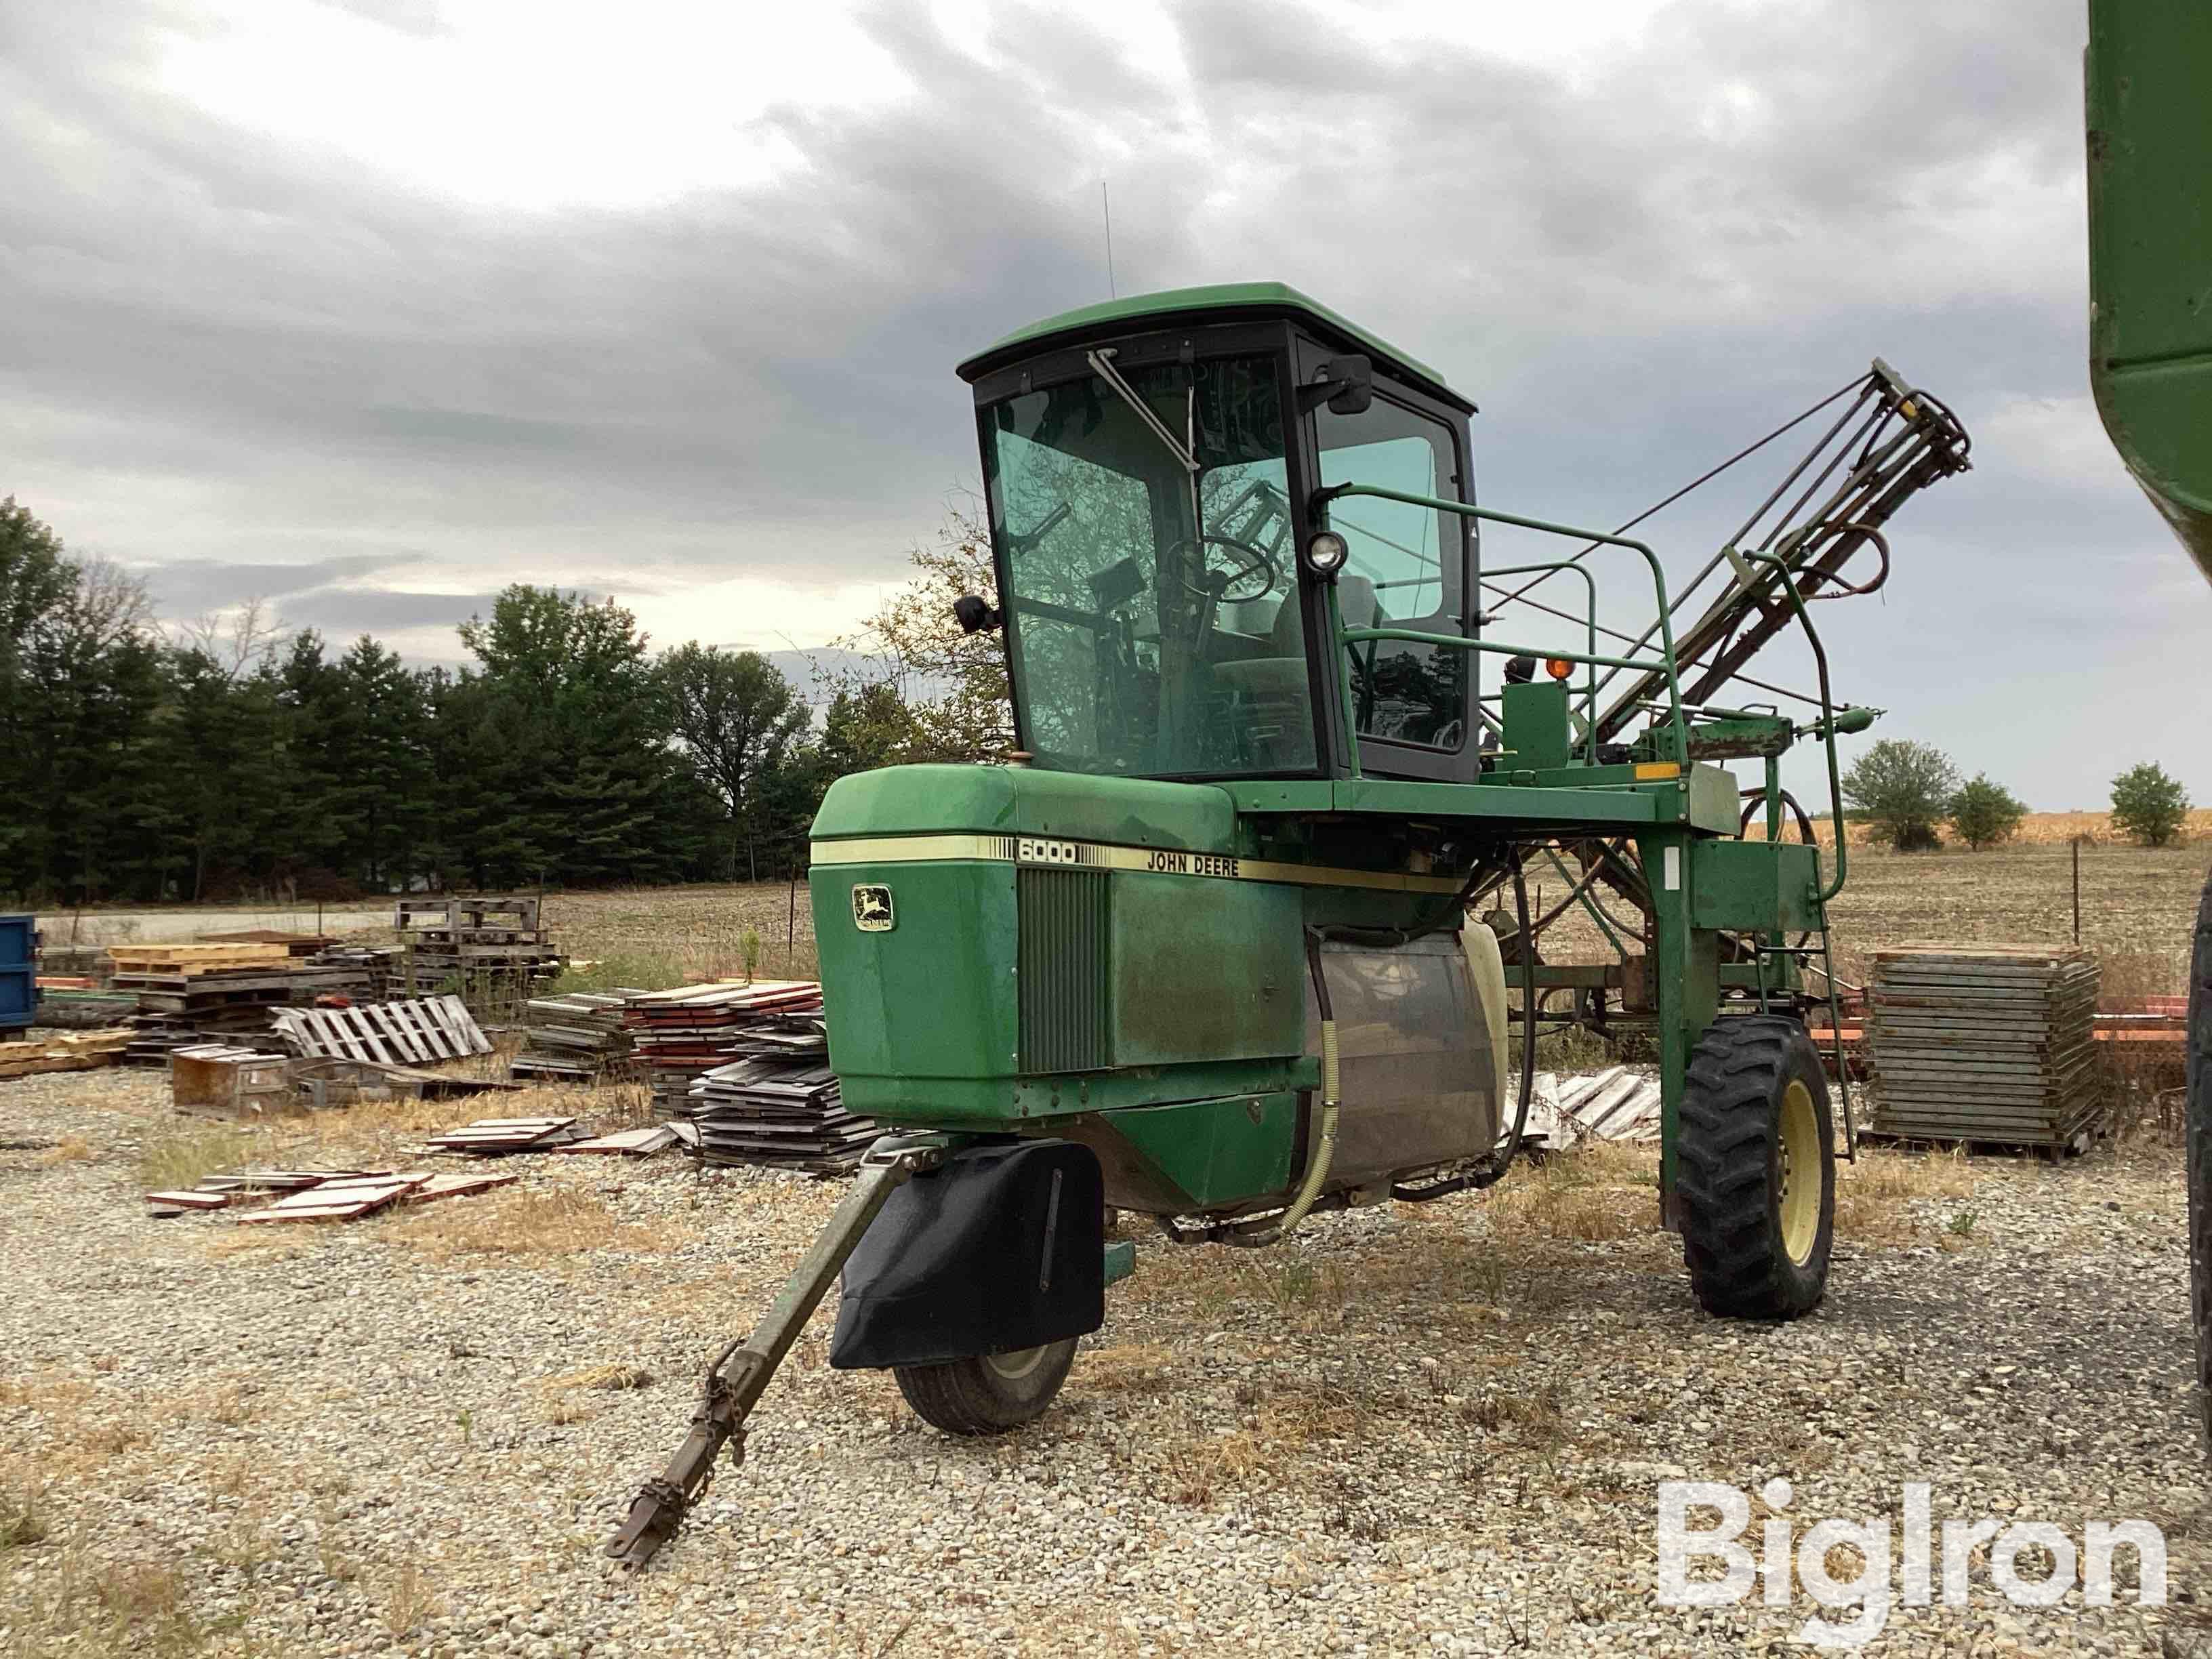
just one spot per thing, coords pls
(77, 1051)
(189, 960)
(417, 1031)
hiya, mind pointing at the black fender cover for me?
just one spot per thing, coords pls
(1000, 1247)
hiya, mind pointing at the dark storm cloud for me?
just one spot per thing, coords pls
(249, 351)
(342, 613)
(186, 588)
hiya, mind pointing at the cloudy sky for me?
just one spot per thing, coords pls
(369, 307)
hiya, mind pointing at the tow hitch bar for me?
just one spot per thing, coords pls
(741, 1372)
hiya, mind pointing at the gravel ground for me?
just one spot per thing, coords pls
(1435, 1430)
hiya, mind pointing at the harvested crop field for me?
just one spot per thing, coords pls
(1434, 1429)
(2138, 907)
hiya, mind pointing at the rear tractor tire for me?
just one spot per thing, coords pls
(990, 1393)
(1755, 1169)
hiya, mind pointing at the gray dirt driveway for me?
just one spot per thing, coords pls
(1435, 1430)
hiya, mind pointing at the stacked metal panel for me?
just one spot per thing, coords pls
(682, 1034)
(778, 1103)
(780, 1112)
(579, 1038)
(1990, 1043)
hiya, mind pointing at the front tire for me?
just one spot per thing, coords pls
(1755, 1169)
(989, 1393)
(2198, 1104)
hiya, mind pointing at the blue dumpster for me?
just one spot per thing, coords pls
(19, 982)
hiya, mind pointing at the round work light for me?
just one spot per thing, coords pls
(1326, 553)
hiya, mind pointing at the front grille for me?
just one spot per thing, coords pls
(1065, 972)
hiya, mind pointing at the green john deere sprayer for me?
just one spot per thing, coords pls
(2150, 362)
(1203, 949)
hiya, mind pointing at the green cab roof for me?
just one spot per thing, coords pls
(1220, 302)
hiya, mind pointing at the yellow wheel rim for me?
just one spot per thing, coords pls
(1800, 1203)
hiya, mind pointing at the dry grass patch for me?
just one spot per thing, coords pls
(229, 1405)
(179, 1159)
(373, 1134)
(1204, 1460)
(612, 1376)
(1130, 1368)
(406, 1602)
(1532, 1419)
(1880, 1174)
(45, 1391)
(1600, 1191)
(1874, 1195)
(515, 1222)
(24, 1520)
(71, 1149)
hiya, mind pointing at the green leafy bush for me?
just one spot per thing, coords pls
(1983, 813)
(1903, 790)
(2149, 806)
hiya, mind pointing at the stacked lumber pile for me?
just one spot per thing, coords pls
(76, 1051)
(318, 1195)
(377, 966)
(191, 961)
(683, 1034)
(293, 944)
(579, 1038)
(189, 994)
(83, 1010)
(457, 938)
(1990, 1043)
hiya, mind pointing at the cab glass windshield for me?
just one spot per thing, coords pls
(1150, 578)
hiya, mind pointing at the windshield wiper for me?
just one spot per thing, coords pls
(1101, 363)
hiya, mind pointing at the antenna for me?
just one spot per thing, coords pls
(1107, 208)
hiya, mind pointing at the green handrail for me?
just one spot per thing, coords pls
(1349, 637)
(1589, 692)
(1828, 721)
(1666, 664)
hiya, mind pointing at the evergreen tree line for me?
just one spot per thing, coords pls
(225, 760)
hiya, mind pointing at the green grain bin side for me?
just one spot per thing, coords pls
(2150, 251)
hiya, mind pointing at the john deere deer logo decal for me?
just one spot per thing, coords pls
(872, 909)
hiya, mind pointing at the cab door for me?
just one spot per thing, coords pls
(1413, 706)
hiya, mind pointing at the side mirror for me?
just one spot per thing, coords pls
(1347, 382)
(977, 616)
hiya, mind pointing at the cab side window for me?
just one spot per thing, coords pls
(1404, 570)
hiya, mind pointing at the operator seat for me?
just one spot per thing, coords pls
(1283, 673)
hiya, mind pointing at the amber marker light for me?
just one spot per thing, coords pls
(1559, 668)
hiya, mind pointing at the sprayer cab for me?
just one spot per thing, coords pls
(1170, 557)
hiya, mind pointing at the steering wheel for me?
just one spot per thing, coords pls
(1250, 562)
